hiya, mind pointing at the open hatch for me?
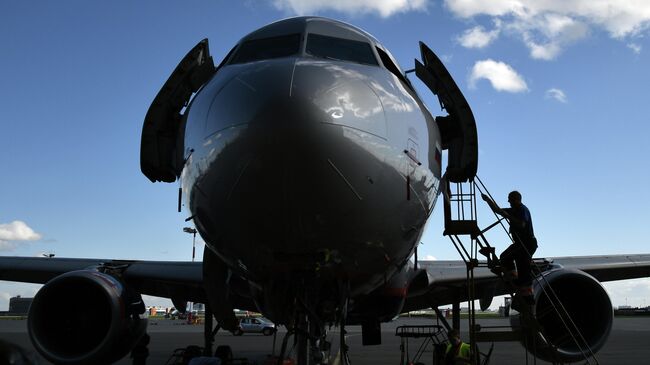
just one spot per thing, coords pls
(458, 129)
(161, 147)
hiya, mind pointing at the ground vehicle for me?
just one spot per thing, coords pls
(255, 325)
(176, 314)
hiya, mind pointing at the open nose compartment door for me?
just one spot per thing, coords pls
(161, 147)
(458, 129)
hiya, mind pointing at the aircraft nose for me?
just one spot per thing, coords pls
(302, 153)
(248, 134)
(239, 95)
(281, 126)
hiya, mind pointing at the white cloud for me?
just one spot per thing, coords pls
(18, 231)
(384, 8)
(635, 47)
(545, 52)
(15, 231)
(635, 293)
(557, 94)
(430, 257)
(501, 75)
(548, 26)
(477, 37)
(546, 36)
(4, 296)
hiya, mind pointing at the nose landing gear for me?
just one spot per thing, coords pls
(310, 335)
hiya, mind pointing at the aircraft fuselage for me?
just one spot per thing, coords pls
(302, 168)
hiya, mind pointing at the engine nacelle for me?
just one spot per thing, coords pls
(85, 317)
(588, 307)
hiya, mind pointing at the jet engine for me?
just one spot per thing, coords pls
(85, 317)
(574, 314)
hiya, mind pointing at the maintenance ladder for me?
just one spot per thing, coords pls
(461, 219)
(432, 336)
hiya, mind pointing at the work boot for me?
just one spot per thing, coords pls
(487, 252)
(496, 269)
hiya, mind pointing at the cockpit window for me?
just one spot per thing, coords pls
(340, 49)
(386, 59)
(267, 48)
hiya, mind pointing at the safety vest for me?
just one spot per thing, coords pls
(462, 351)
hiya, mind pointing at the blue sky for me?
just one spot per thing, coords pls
(559, 92)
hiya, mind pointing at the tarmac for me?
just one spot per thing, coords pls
(629, 342)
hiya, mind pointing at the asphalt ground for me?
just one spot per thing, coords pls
(629, 342)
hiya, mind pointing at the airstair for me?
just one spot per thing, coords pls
(461, 226)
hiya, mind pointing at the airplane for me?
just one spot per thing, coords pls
(309, 165)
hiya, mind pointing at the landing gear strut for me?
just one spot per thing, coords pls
(209, 332)
(309, 341)
(343, 350)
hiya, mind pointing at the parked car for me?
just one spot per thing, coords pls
(255, 325)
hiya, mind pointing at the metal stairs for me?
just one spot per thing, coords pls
(461, 220)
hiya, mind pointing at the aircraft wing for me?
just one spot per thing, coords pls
(178, 280)
(609, 267)
(183, 280)
(447, 279)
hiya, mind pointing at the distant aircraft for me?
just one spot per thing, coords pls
(310, 166)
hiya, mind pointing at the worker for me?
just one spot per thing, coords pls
(457, 352)
(523, 247)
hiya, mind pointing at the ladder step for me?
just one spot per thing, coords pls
(487, 251)
(461, 227)
(498, 336)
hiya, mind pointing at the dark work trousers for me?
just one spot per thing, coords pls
(516, 253)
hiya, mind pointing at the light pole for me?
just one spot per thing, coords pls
(192, 231)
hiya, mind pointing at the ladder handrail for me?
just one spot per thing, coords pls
(555, 297)
(500, 220)
(471, 261)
